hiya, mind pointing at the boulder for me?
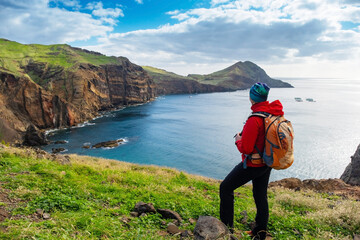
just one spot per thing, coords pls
(108, 144)
(34, 137)
(351, 174)
(209, 228)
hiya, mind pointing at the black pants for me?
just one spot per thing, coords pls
(238, 177)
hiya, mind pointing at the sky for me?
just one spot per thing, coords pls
(287, 38)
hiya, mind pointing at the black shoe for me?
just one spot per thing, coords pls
(260, 235)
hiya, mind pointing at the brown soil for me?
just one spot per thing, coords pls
(330, 186)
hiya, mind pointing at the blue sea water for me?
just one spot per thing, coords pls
(194, 133)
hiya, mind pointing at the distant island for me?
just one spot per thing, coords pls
(57, 86)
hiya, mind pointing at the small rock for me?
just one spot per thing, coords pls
(192, 221)
(209, 228)
(134, 214)
(62, 159)
(143, 215)
(46, 216)
(176, 222)
(60, 142)
(185, 234)
(142, 207)
(86, 147)
(39, 212)
(356, 237)
(57, 150)
(173, 229)
(125, 220)
(169, 214)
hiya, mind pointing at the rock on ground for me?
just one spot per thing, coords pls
(169, 214)
(209, 228)
(142, 207)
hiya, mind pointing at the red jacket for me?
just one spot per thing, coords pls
(254, 130)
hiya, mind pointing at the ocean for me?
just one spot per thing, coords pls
(194, 132)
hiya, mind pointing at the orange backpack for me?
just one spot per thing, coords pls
(279, 139)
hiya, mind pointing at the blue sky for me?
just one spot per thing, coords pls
(288, 38)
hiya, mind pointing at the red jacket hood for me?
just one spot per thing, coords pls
(274, 108)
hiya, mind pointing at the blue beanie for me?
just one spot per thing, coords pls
(259, 92)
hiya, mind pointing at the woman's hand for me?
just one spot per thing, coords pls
(237, 137)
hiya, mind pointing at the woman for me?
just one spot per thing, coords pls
(252, 168)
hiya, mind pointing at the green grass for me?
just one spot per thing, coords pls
(13, 56)
(161, 75)
(90, 198)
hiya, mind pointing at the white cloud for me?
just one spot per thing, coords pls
(35, 22)
(277, 33)
(266, 32)
(100, 11)
(139, 1)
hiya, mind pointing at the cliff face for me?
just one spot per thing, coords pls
(351, 174)
(25, 103)
(171, 83)
(37, 94)
(180, 86)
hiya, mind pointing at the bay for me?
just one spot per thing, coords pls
(194, 133)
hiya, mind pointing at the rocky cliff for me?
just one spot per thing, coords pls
(351, 174)
(44, 87)
(171, 83)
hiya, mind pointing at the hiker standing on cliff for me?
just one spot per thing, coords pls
(252, 167)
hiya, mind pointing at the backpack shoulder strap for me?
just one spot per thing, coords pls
(259, 114)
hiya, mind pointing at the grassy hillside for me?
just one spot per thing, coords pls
(13, 56)
(92, 198)
(241, 75)
(161, 74)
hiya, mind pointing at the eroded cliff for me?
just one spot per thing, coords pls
(62, 86)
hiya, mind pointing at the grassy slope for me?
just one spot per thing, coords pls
(161, 75)
(245, 69)
(224, 78)
(13, 55)
(90, 198)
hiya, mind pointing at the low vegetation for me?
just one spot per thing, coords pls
(92, 198)
(15, 56)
